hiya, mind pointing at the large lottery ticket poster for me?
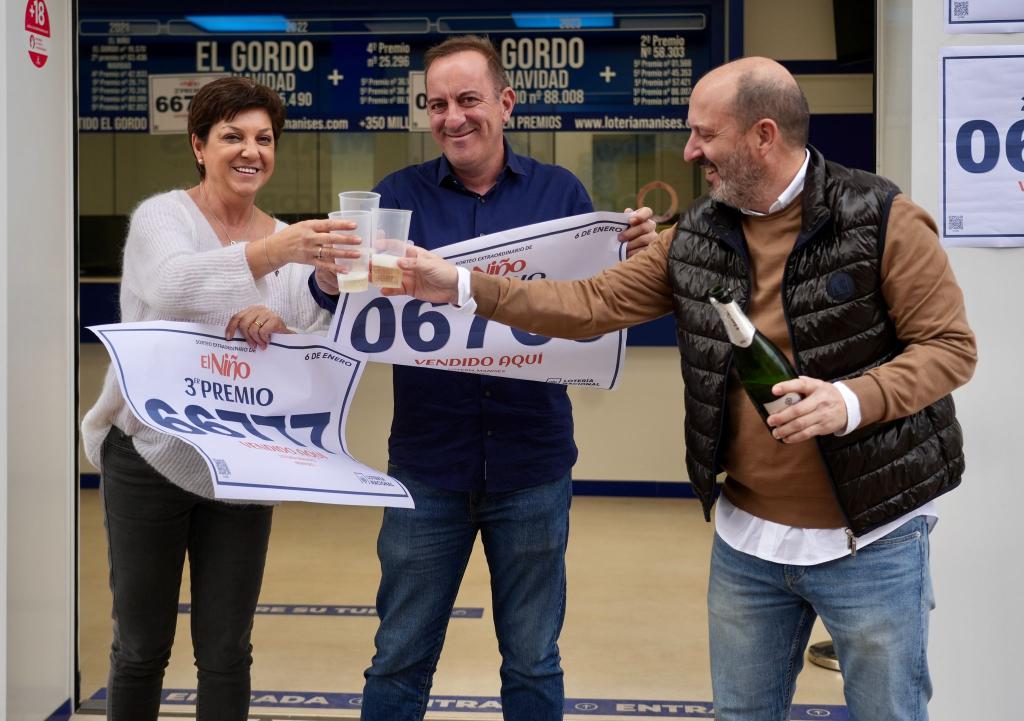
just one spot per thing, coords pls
(270, 424)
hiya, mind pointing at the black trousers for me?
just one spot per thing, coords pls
(151, 524)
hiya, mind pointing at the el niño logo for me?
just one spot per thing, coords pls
(226, 365)
(507, 266)
(503, 267)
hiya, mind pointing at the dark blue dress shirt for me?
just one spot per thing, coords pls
(461, 431)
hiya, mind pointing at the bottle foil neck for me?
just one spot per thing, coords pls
(738, 327)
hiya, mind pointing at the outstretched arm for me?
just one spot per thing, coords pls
(626, 294)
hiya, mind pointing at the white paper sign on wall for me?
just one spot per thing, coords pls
(981, 120)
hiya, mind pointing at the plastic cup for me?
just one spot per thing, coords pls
(354, 279)
(390, 238)
(358, 200)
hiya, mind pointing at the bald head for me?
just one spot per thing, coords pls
(761, 88)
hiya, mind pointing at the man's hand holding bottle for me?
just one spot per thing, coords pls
(795, 408)
(822, 411)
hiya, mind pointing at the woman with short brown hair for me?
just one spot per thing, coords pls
(205, 255)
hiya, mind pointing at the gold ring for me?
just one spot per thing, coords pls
(260, 323)
(320, 253)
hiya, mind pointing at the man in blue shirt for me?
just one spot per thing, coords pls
(478, 454)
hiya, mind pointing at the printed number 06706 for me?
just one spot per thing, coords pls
(413, 321)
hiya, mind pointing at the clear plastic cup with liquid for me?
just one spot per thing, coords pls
(355, 273)
(390, 238)
(358, 200)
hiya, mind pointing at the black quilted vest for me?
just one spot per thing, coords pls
(839, 327)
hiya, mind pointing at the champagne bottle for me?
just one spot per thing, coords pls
(758, 362)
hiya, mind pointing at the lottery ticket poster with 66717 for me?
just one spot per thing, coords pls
(269, 423)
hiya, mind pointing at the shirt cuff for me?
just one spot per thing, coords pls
(324, 300)
(465, 302)
(852, 408)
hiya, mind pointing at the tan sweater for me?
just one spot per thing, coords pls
(797, 492)
(774, 481)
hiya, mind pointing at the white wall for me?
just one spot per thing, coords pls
(976, 628)
(36, 356)
(3, 370)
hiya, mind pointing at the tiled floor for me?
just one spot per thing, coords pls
(634, 643)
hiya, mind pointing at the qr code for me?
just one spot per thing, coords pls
(955, 222)
(961, 9)
(222, 466)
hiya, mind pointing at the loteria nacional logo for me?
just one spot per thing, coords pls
(509, 266)
(226, 365)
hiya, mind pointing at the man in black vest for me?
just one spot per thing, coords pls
(846, 275)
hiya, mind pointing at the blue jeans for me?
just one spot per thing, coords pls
(151, 524)
(423, 555)
(874, 605)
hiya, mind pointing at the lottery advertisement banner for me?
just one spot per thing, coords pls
(616, 70)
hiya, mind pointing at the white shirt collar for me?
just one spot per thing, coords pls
(790, 193)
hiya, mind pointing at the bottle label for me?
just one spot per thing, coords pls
(781, 404)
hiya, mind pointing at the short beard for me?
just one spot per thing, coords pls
(740, 180)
